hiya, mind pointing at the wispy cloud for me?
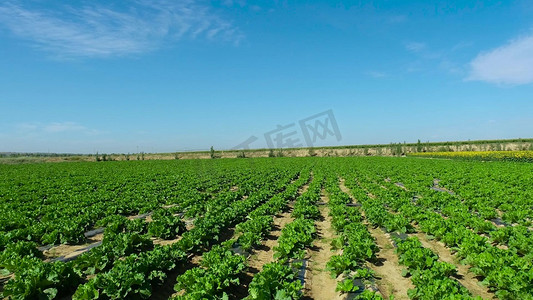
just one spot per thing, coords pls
(461, 45)
(450, 67)
(415, 46)
(510, 64)
(429, 58)
(95, 30)
(63, 127)
(53, 128)
(376, 74)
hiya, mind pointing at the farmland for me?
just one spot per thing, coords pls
(268, 228)
(526, 156)
(509, 149)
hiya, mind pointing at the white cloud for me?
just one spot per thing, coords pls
(27, 127)
(450, 67)
(64, 126)
(509, 64)
(101, 31)
(429, 59)
(376, 74)
(53, 128)
(461, 45)
(415, 46)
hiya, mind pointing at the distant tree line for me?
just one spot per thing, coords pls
(37, 154)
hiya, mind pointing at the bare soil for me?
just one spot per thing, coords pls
(166, 291)
(319, 284)
(390, 281)
(4, 279)
(437, 187)
(162, 242)
(261, 255)
(399, 184)
(265, 253)
(466, 278)
(68, 251)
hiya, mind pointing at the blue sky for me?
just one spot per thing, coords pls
(163, 75)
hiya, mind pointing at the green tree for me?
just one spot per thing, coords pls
(419, 146)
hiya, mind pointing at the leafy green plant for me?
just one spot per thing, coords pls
(220, 269)
(253, 231)
(40, 280)
(164, 225)
(275, 281)
(346, 286)
(114, 246)
(295, 237)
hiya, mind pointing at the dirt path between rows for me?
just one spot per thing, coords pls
(465, 277)
(318, 282)
(264, 253)
(95, 237)
(167, 291)
(68, 252)
(390, 280)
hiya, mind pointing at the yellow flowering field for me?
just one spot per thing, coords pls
(481, 155)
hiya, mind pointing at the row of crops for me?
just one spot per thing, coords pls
(203, 220)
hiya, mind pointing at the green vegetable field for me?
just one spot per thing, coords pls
(267, 228)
